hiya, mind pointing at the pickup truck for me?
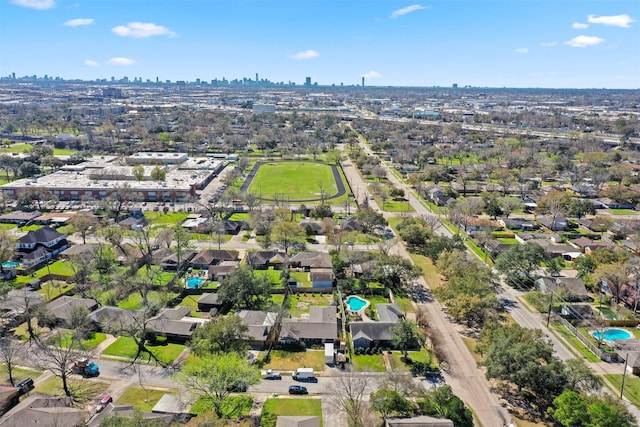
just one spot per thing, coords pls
(271, 375)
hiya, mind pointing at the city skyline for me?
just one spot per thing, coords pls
(482, 43)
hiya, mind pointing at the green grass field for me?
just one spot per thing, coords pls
(290, 407)
(296, 180)
(631, 386)
(369, 363)
(290, 361)
(126, 347)
(142, 399)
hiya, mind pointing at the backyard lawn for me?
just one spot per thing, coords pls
(243, 403)
(52, 290)
(299, 303)
(134, 300)
(191, 301)
(272, 275)
(290, 361)
(290, 407)
(142, 399)
(302, 277)
(126, 347)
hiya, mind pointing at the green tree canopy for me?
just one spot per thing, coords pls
(519, 263)
(222, 334)
(213, 378)
(406, 335)
(390, 403)
(443, 403)
(244, 289)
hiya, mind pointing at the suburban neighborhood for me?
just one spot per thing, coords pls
(340, 259)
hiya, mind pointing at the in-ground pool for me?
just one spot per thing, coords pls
(10, 264)
(612, 334)
(356, 303)
(194, 282)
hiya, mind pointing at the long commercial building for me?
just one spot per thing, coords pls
(99, 177)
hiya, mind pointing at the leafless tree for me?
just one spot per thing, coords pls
(348, 392)
(9, 356)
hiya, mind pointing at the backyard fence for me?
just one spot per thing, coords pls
(603, 355)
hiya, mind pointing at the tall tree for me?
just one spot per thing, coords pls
(406, 335)
(348, 395)
(223, 334)
(287, 234)
(520, 262)
(244, 289)
(9, 356)
(214, 377)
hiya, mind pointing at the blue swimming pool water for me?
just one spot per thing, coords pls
(10, 264)
(613, 334)
(356, 303)
(194, 282)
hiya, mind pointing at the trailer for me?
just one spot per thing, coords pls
(329, 354)
(85, 367)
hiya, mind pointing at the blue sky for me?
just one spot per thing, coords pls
(486, 43)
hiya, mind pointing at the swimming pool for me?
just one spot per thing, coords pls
(612, 334)
(194, 282)
(356, 303)
(10, 264)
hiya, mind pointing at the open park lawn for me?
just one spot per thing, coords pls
(291, 407)
(142, 399)
(82, 389)
(290, 361)
(19, 374)
(296, 180)
(126, 347)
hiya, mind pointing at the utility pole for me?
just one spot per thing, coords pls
(550, 307)
(624, 374)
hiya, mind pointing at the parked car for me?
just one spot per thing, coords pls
(104, 402)
(25, 386)
(298, 389)
(270, 374)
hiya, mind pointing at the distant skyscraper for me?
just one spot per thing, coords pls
(307, 81)
(362, 81)
(455, 85)
(257, 80)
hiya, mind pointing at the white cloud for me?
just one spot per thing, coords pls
(522, 50)
(142, 30)
(372, 75)
(549, 44)
(406, 10)
(584, 41)
(35, 4)
(307, 54)
(623, 21)
(579, 26)
(121, 61)
(78, 22)
(91, 63)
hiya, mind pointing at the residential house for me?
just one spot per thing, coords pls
(262, 260)
(572, 288)
(321, 277)
(435, 193)
(132, 223)
(108, 317)
(607, 203)
(587, 245)
(61, 308)
(79, 251)
(40, 245)
(581, 312)
(260, 324)
(128, 411)
(19, 301)
(209, 302)
(350, 223)
(554, 224)
(167, 259)
(371, 334)
(321, 327)
(8, 398)
(308, 260)
(174, 324)
(55, 218)
(44, 410)
(19, 217)
(494, 248)
(203, 259)
(629, 295)
(567, 252)
(127, 253)
(231, 227)
(312, 227)
(518, 224)
(217, 273)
